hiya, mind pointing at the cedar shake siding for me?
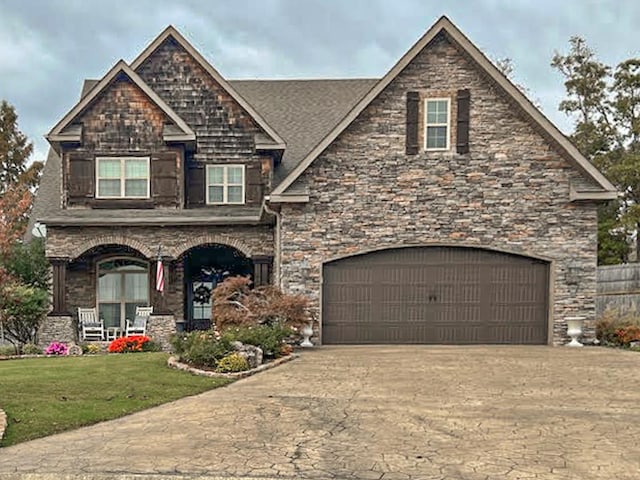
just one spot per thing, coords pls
(225, 133)
(122, 121)
(369, 191)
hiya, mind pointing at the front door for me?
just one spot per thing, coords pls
(204, 267)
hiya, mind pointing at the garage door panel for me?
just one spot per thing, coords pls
(435, 295)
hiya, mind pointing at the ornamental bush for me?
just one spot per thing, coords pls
(269, 337)
(615, 329)
(201, 348)
(234, 362)
(31, 349)
(56, 348)
(132, 344)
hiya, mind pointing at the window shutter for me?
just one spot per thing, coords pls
(195, 184)
(262, 270)
(462, 137)
(164, 178)
(253, 183)
(81, 177)
(413, 107)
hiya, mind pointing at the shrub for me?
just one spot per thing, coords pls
(91, 348)
(269, 338)
(235, 304)
(132, 344)
(202, 348)
(234, 362)
(56, 348)
(628, 334)
(611, 324)
(31, 349)
(7, 351)
(22, 310)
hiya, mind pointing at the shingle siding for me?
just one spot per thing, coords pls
(224, 131)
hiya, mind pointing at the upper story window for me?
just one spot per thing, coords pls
(437, 123)
(122, 177)
(225, 184)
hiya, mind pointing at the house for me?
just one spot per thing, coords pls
(433, 205)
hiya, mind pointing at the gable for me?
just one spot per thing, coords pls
(138, 96)
(535, 121)
(171, 64)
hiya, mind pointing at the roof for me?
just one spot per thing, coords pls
(303, 110)
(308, 115)
(65, 131)
(535, 116)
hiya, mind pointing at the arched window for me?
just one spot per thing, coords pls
(123, 284)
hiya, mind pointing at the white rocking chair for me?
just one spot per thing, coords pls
(91, 327)
(139, 324)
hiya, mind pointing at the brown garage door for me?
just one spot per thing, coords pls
(438, 295)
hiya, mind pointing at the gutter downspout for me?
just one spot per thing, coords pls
(278, 242)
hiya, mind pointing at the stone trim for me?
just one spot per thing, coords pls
(211, 238)
(113, 239)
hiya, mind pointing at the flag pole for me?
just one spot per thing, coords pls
(160, 279)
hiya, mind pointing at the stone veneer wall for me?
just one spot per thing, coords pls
(510, 193)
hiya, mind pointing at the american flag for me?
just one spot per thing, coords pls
(159, 274)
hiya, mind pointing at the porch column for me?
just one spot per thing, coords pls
(59, 279)
(158, 299)
(262, 270)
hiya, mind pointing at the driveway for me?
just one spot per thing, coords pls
(415, 412)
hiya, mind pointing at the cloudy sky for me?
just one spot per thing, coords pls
(48, 47)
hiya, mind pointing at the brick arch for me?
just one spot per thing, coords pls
(209, 239)
(113, 240)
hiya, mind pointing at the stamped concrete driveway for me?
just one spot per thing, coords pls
(416, 412)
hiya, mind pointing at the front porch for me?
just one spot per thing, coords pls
(116, 277)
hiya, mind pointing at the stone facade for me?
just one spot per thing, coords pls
(510, 193)
(81, 245)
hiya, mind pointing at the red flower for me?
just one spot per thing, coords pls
(133, 343)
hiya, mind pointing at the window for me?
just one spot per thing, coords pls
(123, 284)
(437, 115)
(126, 177)
(225, 184)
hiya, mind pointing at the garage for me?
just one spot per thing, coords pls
(435, 295)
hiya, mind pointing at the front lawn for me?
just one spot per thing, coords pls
(42, 396)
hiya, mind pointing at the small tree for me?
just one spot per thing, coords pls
(23, 308)
(236, 304)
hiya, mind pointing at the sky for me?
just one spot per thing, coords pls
(48, 47)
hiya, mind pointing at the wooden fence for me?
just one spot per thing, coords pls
(618, 288)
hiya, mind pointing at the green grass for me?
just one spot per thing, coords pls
(42, 396)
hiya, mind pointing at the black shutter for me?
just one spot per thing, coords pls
(164, 178)
(262, 270)
(413, 107)
(81, 177)
(253, 182)
(462, 137)
(195, 184)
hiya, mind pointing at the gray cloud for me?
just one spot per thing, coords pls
(48, 47)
